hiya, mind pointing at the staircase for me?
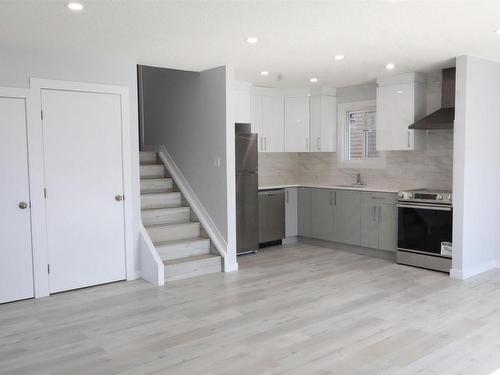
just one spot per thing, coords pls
(173, 228)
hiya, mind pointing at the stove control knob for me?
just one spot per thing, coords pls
(401, 194)
(450, 197)
(439, 197)
(410, 195)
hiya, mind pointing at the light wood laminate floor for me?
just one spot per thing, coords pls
(295, 309)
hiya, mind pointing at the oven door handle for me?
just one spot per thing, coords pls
(422, 207)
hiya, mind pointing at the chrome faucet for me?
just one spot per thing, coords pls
(357, 178)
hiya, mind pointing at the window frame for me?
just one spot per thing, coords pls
(343, 146)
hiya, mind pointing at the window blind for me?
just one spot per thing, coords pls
(362, 135)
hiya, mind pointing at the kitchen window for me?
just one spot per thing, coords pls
(358, 136)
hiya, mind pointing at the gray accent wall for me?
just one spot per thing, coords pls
(186, 112)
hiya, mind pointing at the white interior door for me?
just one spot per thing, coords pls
(16, 259)
(84, 182)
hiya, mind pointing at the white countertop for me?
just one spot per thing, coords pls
(337, 187)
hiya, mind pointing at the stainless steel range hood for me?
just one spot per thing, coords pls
(442, 118)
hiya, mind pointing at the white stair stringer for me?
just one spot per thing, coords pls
(175, 235)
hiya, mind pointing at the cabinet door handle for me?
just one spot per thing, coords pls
(408, 139)
(287, 196)
(379, 214)
(334, 198)
(331, 198)
(319, 144)
(265, 143)
(374, 213)
(307, 143)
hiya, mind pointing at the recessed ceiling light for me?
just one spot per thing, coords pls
(339, 57)
(252, 39)
(313, 80)
(399, 91)
(390, 66)
(264, 73)
(75, 6)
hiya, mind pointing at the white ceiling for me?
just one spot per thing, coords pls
(297, 40)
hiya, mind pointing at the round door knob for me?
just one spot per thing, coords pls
(118, 198)
(23, 205)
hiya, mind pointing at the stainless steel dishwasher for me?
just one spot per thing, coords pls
(271, 216)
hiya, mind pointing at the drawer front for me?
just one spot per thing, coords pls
(378, 198)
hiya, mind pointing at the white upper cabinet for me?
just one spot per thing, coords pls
(297, 124)
(268, 122)
(273, 124)
(242, 102)
(401, 100)
(291, 121)
(323, 137)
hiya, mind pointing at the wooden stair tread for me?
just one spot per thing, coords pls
(171, 209)
(178, 225)
(178, 242)
(190, 259)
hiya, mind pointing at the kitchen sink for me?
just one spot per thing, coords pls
(353, 186)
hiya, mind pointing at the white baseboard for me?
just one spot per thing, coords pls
(134, 275)
(473, 271)
(201, 213)
(152, 268)
(230, 267)
(289, 240)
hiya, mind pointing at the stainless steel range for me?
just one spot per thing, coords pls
(425, 221)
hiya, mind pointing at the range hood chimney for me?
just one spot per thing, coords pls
(442, 118)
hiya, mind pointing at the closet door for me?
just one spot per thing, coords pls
(84, 180)
(16, 260)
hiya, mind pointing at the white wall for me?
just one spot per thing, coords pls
(17, 66)
(476, 245)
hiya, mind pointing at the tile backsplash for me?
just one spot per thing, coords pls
(429, 168)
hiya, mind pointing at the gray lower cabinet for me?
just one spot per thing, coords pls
(291, 212)
(369, 225)
(323, 214)
(304, 211)
(388, 229)
(366, 219)
(347, 217)
(379, 221)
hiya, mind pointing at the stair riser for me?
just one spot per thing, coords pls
(152, 171)
(160, 201)
(191, 269)
(156, 186)
(147, 156)
(175, 216)
(183, 250)
(174, 233)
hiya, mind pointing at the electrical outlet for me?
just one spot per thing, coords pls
(217, 161)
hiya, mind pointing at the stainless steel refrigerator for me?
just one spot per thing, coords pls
(247, 190)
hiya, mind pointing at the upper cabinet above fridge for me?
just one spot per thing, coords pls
(294, 120)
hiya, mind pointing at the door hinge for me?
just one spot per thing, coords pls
(45, 192)
(41, 114)
(48, 268)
